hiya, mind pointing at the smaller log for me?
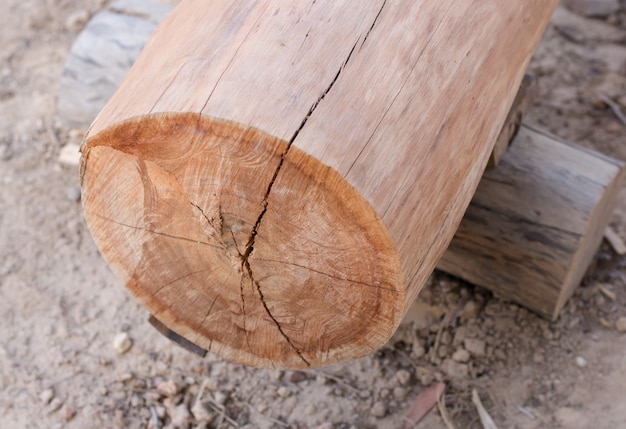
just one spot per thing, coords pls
(536, 221)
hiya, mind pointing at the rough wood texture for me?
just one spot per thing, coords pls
(536, 221)
(101, 56)
(276, 182)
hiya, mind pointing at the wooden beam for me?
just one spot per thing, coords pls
(276, 182)
(536, 221)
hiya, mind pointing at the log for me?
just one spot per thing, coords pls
(276, 182)
(536, 221)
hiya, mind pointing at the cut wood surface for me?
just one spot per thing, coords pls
(536, 221)
(276, 181)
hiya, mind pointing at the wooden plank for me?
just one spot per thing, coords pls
(277, 182)
(536, 221)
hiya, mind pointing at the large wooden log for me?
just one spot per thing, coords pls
(536, 221)
(276, 181)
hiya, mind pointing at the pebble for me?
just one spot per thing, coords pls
(620, 325)
(168, 388)
(424, 376)
(179, 415)
(400, 393)
(202, 412)
(476, 347)
(6, 153)
(73, 193)
(125, 376)
(283, 392)
(379, 410)
(55, 404)
(418, 352)
(461, 355)
(581, 362)
(309, 410)
(455, 369)
(384, 393)
(470, 311)
(326, 425)
(298, 377)
(122, 343)
(70, 155)
(46, 396)
(67, 413)
(403, 376)
(77, 20)
(220, 397)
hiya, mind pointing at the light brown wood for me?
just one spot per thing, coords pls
(276, 181)
(536, 221)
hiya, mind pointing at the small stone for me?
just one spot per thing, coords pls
(309, 410)
(122, 343)
(283, 392)
(424, 376)
(418, 351)
(384, 393)
(454, 369)
(202, 412)
(443, 351)
(220, 397)
(620, 325)
(168, 388)
(67, 413)
(403, 376)
(379, 410)
(73, 193)
(298, 377)
(179, 414)
(581, 362)
(400, 393)
(476, 347)
(46, 396)
(70, 155)
(461, 355)
(77, 20)
(125, 376)
(326, 425)
(55, 404)
(470, 311)
(160, 411)
(6, 153)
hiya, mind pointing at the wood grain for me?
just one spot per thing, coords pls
(276, 182)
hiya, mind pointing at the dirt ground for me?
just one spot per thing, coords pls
(61, 308)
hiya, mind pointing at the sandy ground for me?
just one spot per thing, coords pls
(61, 308)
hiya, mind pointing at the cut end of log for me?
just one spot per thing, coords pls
(242, 244)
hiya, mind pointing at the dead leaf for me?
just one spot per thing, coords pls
(424, 402)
